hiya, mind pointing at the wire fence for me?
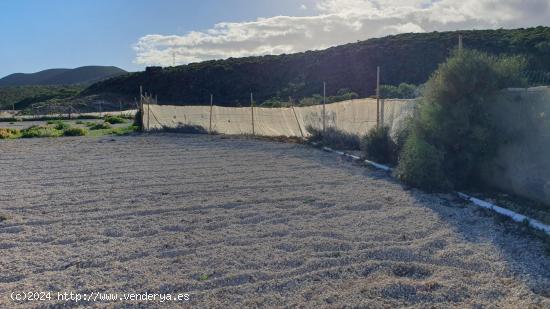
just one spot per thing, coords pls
(537, 78)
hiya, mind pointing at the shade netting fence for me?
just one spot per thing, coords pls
(353, 116)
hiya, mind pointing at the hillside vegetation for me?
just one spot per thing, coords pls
(81, 75)
(404, 58)
(21, 97)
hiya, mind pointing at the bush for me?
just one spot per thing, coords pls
(75, 132)
(454, 117)
(403, 91)
(100, 126)
(334, 138)
(40, 131)
(114, 119)
(138, 120)
(275, 102)
(58, 124)
(125, 131)
(379, 146)
(403, 132)
(9, 133)
(421, 165)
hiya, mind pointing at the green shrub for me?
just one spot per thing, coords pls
(40, 131)
(275, 102)
(9, 133)
(138, 120)
(421, 165)
(403, 91)
(58, 124)
(114, 119)
(127, 130)
(80, 122)
(75, 132)
(404, 131)
(454, 117)
(379, 146)
(334, 138)
(100, 126)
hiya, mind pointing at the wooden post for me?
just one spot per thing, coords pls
(382, 112)
(296, 116)
(377, 97)
(324, 106)
(211, 104)
(141, 105)
(252, 109)
(148, 112)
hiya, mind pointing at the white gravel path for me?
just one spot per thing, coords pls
(237, 222)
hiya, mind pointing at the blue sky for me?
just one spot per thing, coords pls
(42, 34)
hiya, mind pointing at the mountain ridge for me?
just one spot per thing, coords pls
(410, 57)
(61, 76)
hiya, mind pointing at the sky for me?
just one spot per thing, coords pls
(133, 34)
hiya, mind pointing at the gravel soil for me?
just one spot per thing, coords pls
(238, 222)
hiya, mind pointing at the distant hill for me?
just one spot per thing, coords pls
(81, 75)
(407, 58)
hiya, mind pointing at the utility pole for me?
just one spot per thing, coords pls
(324, 106)
(378, 97)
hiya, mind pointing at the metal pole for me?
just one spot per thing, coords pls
(382, 112)
(324, 106)
(148, 112)
(211, 103)
(252, 109)
(377, 97)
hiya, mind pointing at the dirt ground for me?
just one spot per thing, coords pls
(237, 222)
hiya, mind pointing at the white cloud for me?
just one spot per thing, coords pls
(337, 22)
(303, 7)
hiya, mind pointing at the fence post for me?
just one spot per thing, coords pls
(252, 109)
(148, 113)
(211, 103)
(382, 101)
(296, 116)
(324, 106)
(141, 106)
(378, 97)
